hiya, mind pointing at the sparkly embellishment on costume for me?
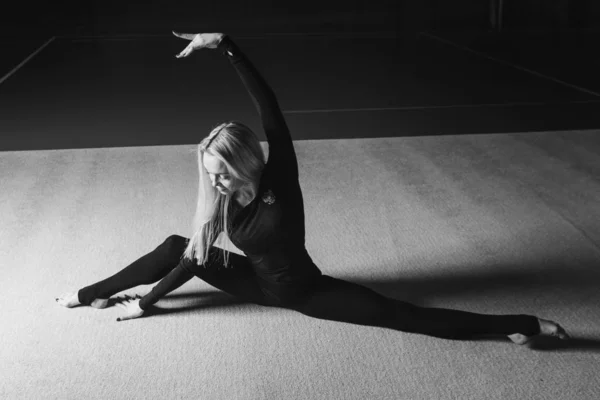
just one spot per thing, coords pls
(268, 197)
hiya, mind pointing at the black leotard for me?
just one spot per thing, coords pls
(270, 230)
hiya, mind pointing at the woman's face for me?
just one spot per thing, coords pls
(219, 176)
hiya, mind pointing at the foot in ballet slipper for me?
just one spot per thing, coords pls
(547, 328)
(71, 299)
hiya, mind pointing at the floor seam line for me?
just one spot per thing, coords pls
(518, 67)
(15, 69)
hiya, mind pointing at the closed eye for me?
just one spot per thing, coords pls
(217, 174)
(221, 177)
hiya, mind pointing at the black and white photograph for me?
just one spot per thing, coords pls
(316, 200)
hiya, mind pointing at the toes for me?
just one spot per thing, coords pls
(64, 302)
(64, 299)
(555, 330)
(69, 299)
(64, 296)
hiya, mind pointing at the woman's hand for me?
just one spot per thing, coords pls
(198, 41)
(131, 305)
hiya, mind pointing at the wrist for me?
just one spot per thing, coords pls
(220, 38)
(139, 306)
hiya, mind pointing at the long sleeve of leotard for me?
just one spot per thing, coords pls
(174, 279)
(282, 157)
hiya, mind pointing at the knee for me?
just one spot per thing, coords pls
(176, 239)
(175, 244)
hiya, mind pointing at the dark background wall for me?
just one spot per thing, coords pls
(159, 16)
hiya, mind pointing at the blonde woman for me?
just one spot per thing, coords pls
(260, 208)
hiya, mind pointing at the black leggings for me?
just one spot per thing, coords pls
(326, 298)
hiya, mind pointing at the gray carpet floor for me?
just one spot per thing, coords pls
(491, 223)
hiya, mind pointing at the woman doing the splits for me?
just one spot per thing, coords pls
(259, 207)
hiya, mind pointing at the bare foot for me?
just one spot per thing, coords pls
(71, 299)
(547, 328)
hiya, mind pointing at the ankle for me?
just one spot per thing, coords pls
(99, 303)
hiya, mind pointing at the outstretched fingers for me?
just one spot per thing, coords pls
(126, 299)
(197, 41)
(188, 36)
(186, 52)
(131, 306)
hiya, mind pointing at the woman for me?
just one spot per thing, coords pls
(260, 208)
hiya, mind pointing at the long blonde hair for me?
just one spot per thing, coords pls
(234, 144)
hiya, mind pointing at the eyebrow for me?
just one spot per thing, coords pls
(218, 173)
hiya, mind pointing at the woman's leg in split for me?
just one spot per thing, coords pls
(148, 269)
(237, 278)
(338, 300)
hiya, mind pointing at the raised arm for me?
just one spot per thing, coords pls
(281, 148)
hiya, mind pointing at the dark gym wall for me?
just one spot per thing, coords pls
(109, 17)
(158, 16)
